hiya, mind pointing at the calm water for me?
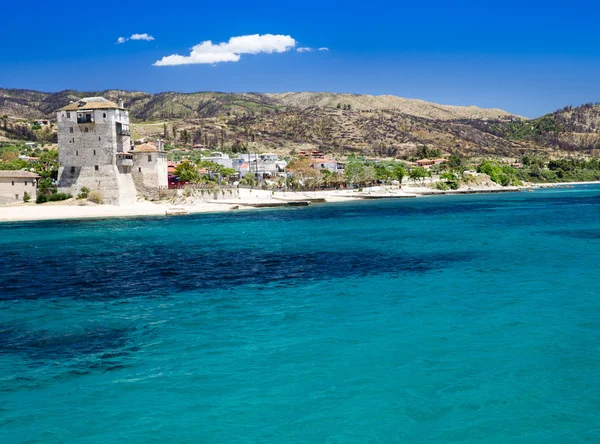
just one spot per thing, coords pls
(471, 319)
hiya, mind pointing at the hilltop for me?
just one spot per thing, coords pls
(171, 105)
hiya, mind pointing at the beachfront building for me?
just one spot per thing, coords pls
(95, 151)
(15, 184)
(330, 165)
(149, 170)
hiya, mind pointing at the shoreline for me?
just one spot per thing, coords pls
(248, 200)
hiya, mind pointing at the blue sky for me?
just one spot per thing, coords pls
(528, 57)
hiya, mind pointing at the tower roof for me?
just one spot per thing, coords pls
(91, 103)
(145, 148)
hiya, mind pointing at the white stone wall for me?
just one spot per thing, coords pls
(12, 189)
(87, 155)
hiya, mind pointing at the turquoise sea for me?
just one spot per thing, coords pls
(454, 319)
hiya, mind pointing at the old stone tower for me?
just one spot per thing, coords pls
(94, 150)
(150, 169)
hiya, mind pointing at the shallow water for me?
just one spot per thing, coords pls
(441, 319)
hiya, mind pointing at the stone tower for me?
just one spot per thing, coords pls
(94, 150)
(150, 169)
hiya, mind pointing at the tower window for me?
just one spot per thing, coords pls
(13, 182)
(77, 153)
(94, 152)
(104, 115)
(68, 115)
(25, 183)
(96, 167)
(98, 138)
(86, 129)
(72, 169)
(17, 196)
(71, 129)
(140, 169)
(149, 158)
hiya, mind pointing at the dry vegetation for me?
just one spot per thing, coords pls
(384, 126)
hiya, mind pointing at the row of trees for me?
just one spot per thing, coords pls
(203, 171)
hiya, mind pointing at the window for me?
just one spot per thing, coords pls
(149, 158)
(13, 182)
(76, 153)
(71, 129)
(98, 138)
(86, 129)
(140, 169)
(96, 167)
(17, 196)
(25, 183)
(68, 115)
(72, 169)
(94, 152)
(104, 115)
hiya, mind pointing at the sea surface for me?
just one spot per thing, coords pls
(454, 319)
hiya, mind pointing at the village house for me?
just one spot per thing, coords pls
(219, 158)
(14, 185)
(94, 151)
(331, 165)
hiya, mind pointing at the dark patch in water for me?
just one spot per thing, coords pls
(577, 234)
(43, 345)
(157, 271)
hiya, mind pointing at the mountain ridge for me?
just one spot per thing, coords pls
(173, 105)
(387, 126)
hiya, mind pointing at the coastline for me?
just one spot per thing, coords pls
(248, 200)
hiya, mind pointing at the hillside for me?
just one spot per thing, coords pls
(170, 105)
(412, 107)
(334, 123)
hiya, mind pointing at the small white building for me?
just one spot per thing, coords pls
(219, 158)
(14, 185)
(331, 165)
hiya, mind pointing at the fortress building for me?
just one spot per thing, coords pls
(95, 151)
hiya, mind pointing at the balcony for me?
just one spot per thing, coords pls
(85, 118)
(124, 159)
(122, 130)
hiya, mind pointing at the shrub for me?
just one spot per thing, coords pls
(26, 197)
(95, 196)
(41, 198)
(84, 193)
(58, 196)
(443, 186)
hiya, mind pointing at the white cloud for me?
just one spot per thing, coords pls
(304, 50)
(209, 53)
(323, 49)
(144, 36)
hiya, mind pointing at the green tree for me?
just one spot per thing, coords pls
(398, 173)
(185, 136)
(418, 173)
(187, 172)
